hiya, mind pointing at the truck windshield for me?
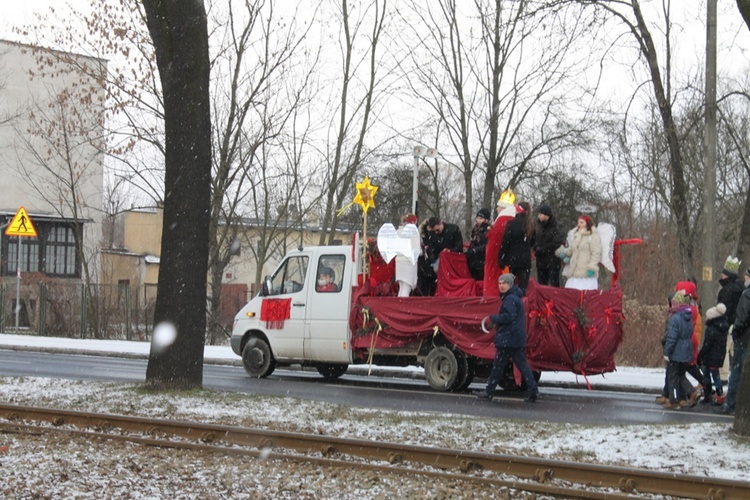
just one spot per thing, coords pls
(290, 277)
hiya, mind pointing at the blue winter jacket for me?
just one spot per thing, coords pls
(678, 346)
(511, 320)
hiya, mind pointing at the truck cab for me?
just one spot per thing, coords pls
(300, 315)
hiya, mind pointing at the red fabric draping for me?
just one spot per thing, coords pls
(568, 330)
(382, 275)
(275, 311)
(454, 278)
(616, 256)
(410, 319)
(494, 241)
(573, 330)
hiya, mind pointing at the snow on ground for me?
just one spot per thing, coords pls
(708, 449)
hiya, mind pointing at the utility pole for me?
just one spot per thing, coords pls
(708, 284)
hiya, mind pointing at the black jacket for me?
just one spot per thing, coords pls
(742, 320)
(450, 239)
(515, 250)
(475, 254)
(729, 295)
(714, 347)
(549, 238)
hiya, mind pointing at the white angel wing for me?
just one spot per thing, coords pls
(607, 235)
(392, 243)
(410, 233)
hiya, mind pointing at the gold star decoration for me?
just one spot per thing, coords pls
(365, 194)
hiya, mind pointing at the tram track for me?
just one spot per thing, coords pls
(543, 476)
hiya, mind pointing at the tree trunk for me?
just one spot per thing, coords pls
(742, 409)
(179, 32)
(744, 8)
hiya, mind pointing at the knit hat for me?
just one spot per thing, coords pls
(731, 266)
(688, 287)
(484, 213)
(507, 278)
(716, 311)
(546, 210)
(680, 298)
(409, 219)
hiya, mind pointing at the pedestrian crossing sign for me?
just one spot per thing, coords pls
(21, 225)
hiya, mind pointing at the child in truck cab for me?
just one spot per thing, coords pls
(325, 281)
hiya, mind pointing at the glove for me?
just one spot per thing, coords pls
(566, 259)
(590, 273)
(666, 358)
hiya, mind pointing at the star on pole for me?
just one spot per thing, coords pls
(365, 194)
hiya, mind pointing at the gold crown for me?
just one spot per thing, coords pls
(732, 264)
(507, 198)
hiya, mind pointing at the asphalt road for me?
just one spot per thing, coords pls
(557, 404)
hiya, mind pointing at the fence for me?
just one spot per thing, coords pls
(113, 312)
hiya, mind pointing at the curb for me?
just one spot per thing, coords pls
(359, 370)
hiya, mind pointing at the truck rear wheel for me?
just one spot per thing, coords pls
(332, 371)
(257, 358)
(441, 369)
(466, 372)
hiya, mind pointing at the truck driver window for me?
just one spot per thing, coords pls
(290, 277)
(330, 273)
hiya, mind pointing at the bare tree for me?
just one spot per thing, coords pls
(355, 104)
(258, 83)
(629, 13)
(180, 36)
(498, 91)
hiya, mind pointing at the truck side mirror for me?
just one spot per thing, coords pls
(267, 286)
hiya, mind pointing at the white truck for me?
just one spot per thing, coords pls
(294, 321)
(297, 320)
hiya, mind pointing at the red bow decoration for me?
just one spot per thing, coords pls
(275, 311)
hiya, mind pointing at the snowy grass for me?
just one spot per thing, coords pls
(706, 449)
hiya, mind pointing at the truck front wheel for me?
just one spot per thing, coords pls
(441, 369)
(257, 358)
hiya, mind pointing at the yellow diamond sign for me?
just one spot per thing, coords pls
(21, 225)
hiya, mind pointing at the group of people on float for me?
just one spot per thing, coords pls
(522, 237)
(689, 349)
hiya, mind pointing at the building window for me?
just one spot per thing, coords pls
(53, 252)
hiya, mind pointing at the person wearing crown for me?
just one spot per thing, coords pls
(506, 211)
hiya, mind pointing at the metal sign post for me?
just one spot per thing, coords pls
(20, 226)
(18, 283)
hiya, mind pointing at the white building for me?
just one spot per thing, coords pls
(51, 154)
